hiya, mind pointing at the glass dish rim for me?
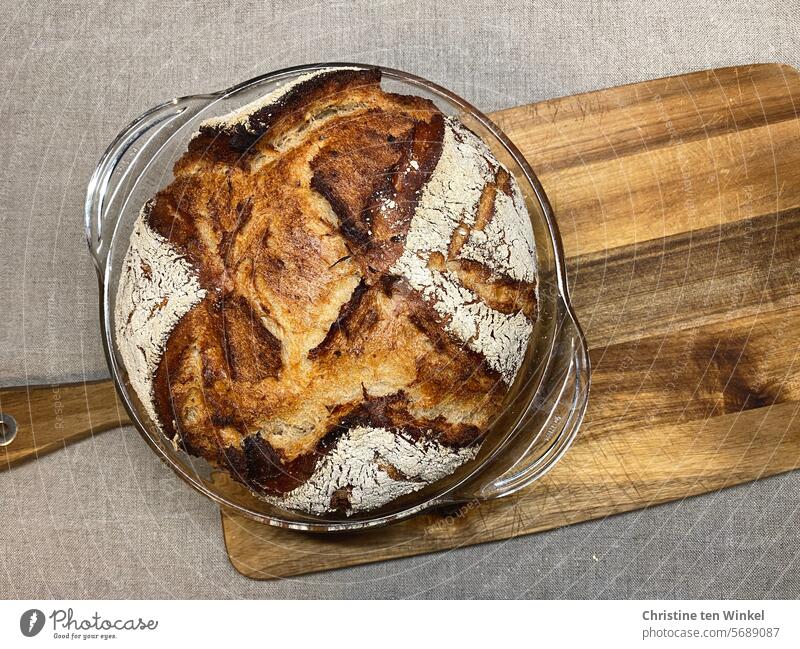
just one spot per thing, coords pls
(436, 499)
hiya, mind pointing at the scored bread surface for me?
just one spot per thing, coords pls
(332, 297)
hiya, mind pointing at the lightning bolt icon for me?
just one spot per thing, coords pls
(34, 617)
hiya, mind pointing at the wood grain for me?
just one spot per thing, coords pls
(658, 158)
(679, 207)
(50, 416)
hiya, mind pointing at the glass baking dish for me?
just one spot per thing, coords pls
(544, 407)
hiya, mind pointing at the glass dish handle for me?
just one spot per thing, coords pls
(557, 415)
(111, 179)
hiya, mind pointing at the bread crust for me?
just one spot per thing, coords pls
(294, 217)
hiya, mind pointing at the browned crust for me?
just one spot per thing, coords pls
(293, 220)
(344, 322)
(252, 352)
(392, 412)
(288, 111)
(379, 234)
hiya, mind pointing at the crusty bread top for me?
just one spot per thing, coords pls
(360, 262)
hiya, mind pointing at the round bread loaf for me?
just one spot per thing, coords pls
(332, 297)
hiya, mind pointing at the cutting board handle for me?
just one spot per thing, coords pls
(35, 420)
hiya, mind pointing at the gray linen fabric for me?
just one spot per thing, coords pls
(105, 518)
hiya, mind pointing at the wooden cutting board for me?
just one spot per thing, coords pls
(678, 202)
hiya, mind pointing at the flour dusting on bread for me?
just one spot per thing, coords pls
(370, 467)
(157, 287)
(450, 200)
(506, 242)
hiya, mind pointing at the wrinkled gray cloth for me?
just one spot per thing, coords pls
(105, 518)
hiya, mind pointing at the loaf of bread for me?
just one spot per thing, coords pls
(332, 297)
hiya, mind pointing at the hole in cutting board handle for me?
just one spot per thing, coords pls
(8, 429)
(38, 419)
